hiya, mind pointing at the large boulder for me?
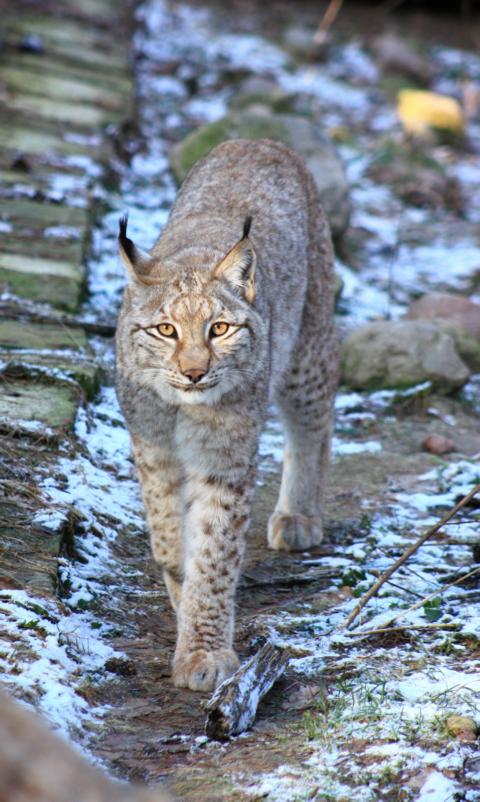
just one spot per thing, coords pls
(317, 150)
(398, 354)
(457, 315)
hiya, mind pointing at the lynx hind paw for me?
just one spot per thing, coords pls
(293, 532)
(203, 671)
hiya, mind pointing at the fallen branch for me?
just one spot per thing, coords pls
(286, 580)
(233, 706)
(21, 311)
(406, 554)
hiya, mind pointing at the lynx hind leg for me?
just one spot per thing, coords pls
(305, 403)
(160, 480)
(306, 410)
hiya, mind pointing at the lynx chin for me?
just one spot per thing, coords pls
(230, 309)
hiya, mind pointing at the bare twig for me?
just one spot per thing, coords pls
(406, 554)
(433, 595)
(387, 629)
(327, 21)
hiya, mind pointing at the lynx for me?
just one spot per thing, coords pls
(230, 309)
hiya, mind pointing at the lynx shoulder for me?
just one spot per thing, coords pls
(231, 308)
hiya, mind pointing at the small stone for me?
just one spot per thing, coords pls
(437, 444)
(462, 727)
(32, 43)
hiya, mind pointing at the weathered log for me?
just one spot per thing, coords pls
(36, 766)
(233, 706)
(32, 313)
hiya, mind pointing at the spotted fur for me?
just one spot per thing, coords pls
(247, 245)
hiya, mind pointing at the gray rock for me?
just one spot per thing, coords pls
(398, 354)
(302, 135)
(395, 54)
(467, 346)
(326, 167)
(259, 91)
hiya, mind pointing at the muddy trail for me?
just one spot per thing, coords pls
(87, 634)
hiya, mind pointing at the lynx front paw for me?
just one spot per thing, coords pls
(293, 532)
(203, 671)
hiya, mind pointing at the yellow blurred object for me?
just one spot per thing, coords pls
(420, 110)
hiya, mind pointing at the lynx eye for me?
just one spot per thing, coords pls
(167, 330)
(218, 329)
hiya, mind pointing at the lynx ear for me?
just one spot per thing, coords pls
(136, 261)
(238, 266)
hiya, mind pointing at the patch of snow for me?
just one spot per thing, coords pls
(341, 449)
(439, 788)
(70, 232)
(58, 653)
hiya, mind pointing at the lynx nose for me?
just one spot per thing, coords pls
(194, 374)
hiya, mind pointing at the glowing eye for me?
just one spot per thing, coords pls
(218, 329)
(167, 330)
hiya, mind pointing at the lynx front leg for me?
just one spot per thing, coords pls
(160, 479)
(215, 529)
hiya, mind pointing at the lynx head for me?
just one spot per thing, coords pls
(191, 325)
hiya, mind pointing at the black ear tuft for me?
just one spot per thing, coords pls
(246, 226)
(125, 242)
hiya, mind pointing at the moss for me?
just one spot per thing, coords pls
(64, 292)
(82, 115)
(37, 214)
(23, 137)
(53, 87)
(200, 142)
(24, 247)
(18, 334)
(53, 405)
(51, 369)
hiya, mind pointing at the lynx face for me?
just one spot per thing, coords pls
(193, 330)
(194, 345)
